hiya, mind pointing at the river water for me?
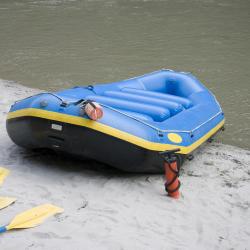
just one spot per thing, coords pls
(54, 44)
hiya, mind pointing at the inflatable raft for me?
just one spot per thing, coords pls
(142, 116)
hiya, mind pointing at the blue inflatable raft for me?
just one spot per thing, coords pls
(142, 116)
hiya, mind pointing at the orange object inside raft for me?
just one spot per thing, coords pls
(93, 110)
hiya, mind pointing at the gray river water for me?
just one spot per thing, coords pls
(55, 44)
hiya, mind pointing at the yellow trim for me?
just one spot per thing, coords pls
(80, 121)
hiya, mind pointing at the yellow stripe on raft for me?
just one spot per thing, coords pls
(80, 121)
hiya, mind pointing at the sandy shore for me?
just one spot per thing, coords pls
(107, 209)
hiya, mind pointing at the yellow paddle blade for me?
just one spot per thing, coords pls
(4, 172)
(34, 216)
(6, 201)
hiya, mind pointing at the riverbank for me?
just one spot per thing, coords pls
(107, 209)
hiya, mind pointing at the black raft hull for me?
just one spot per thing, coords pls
(35, 133)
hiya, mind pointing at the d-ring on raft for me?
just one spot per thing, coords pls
(142, 116)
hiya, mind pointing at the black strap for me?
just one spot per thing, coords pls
(176, 172)
(171, 182)
(91, 103)
(79, 102)
(172, 190)
(173, 170)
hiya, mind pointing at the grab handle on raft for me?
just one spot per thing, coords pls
(171, 168)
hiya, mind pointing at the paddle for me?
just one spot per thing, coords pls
(32, 217)
(6, 201)
(4, 172)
